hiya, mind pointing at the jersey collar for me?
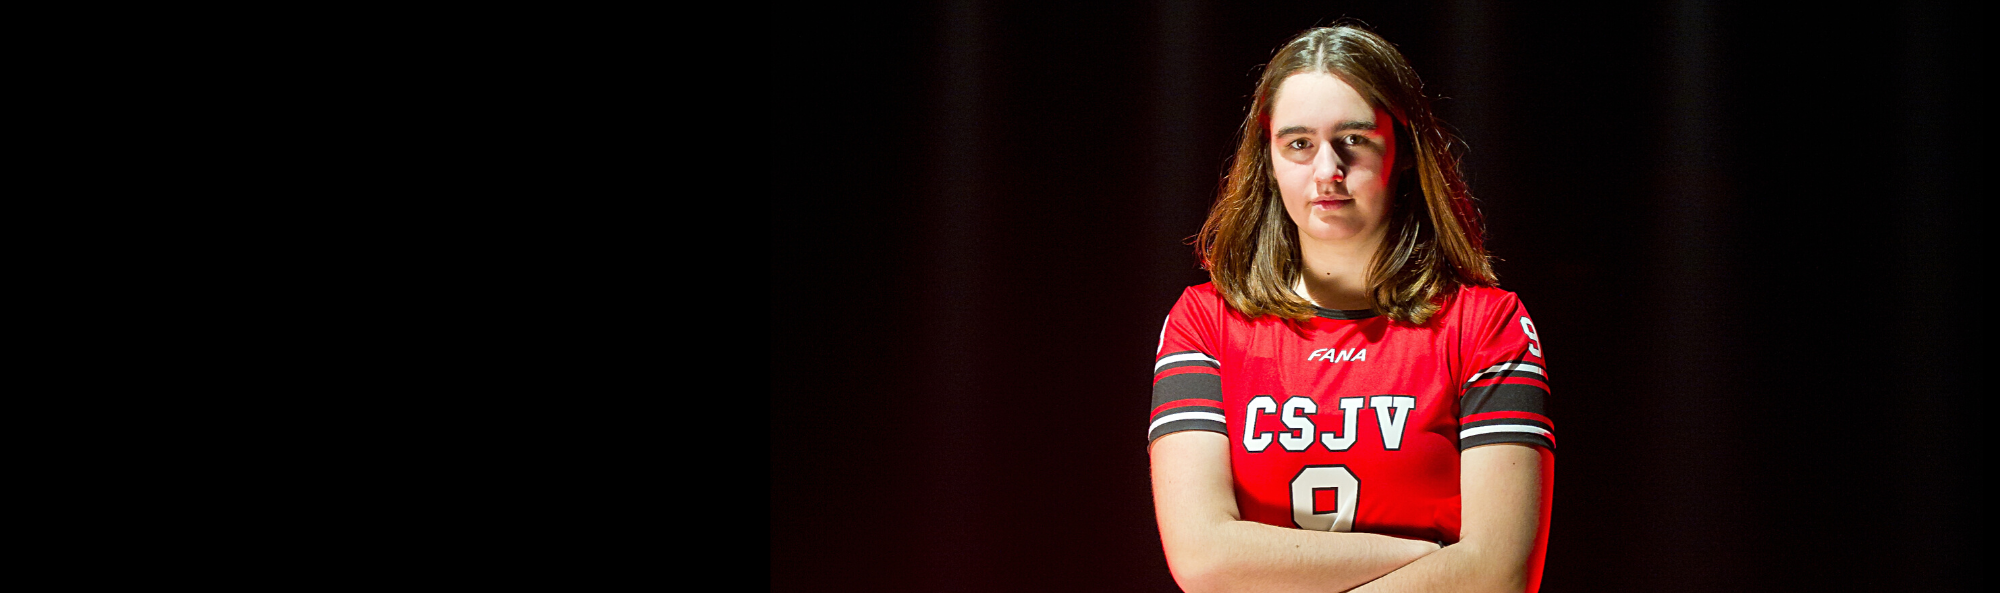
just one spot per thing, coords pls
(1343, 313)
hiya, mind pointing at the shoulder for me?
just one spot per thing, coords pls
(1201, 297)
(1473, 306)
(1202, 311)
(1484, 298)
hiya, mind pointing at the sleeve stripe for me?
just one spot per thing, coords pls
(1186, 364)
(1525, 438)
(1186, 425)
(1473, 432)
(1182, 386)
(1188, 368)
(1529, 416)
(1509, 380)
(1183, 356)
(1518, 365)
(1504, 422)
(1195, 402)
(1504, 398)
(1509, 367)
(1199, 407)
(1210, 416)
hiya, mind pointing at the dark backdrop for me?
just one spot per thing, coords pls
(1747, 238)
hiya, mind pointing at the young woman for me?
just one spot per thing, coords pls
(1350, 402)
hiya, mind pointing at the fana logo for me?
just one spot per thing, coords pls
(1337, 355)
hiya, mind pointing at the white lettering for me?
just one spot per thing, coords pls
(1350, 410)
(1255, 441)
(1390, 413)
(1302, 433)
(1338, 355)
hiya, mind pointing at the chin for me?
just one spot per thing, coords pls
(1327, 234)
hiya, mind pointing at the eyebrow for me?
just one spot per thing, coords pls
(1344, 126)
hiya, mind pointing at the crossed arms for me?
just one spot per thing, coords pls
(1210, 548)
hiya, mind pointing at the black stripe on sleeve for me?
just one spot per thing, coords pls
(1190, 424)
(1508, 421)
(1505, 397)
(1187, 386)
(1526, 438)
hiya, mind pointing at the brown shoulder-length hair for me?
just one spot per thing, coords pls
(1250, 245)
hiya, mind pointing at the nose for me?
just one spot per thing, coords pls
(1328, 168)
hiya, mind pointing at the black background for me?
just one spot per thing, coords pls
(1747, 237)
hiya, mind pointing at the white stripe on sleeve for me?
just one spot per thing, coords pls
(1473, 432)
(1508, 366)
(1182, 357)
(1185, 416)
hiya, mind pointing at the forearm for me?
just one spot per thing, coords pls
(1210, 548)
(1504, 488)
(1234, 555)
(1459, 567)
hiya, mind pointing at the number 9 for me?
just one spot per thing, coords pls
(1347, 491)
(1534, 341)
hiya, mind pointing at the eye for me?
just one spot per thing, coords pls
(1299, 144)
(1353, 140)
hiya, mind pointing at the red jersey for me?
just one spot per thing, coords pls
(1350, 421)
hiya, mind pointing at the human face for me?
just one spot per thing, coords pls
(1332, 154)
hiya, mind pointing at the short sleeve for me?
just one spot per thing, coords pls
(1187, 376)
(1506, 398)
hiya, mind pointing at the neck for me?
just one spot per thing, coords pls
(1336, 274)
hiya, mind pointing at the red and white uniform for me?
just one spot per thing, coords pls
(1350, 421)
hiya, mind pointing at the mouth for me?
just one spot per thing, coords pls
(1330, 202)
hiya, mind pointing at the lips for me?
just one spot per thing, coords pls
(1330, 202)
